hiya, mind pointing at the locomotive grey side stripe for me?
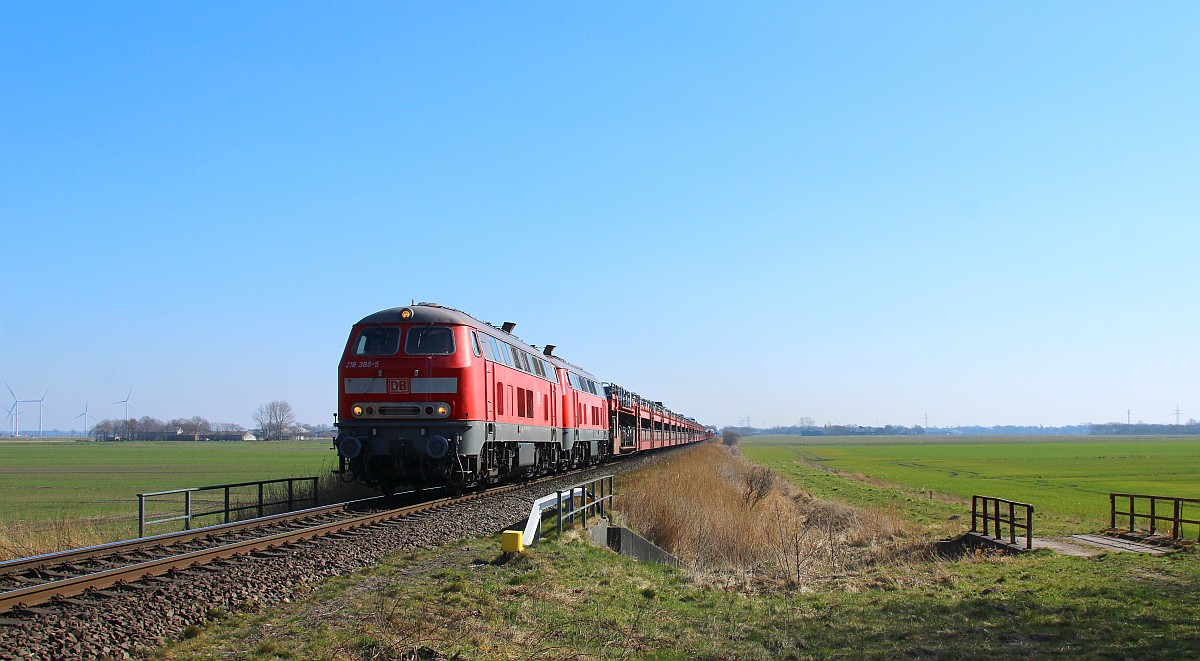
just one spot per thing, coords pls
(360, 386)
(427, 385)
(379, 385)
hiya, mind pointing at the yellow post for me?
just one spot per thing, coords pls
(512, 541)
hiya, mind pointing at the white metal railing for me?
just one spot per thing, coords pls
(594, 496)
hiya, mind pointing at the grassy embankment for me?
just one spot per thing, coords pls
(57, 495)
(868, 589)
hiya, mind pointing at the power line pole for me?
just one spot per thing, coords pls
(1177, 412)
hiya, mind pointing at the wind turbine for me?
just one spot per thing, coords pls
(15, 411)
(126, 403)
(85, 415)
(10, 410)
(41, 408)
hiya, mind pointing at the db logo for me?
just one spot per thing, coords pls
(397, 386)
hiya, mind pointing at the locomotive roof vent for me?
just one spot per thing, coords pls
(549, 350)
(508, 326)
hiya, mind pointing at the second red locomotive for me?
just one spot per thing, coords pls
(430, 396)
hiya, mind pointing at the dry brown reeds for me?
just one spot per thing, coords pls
(721, 514)
(21, 539)
(25, 538)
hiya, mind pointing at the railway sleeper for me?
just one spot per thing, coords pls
(30, 580)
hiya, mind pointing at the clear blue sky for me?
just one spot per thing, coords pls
(854, 212)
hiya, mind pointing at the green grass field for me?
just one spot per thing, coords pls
(44, 481)
(562, 600)
(1067, 479)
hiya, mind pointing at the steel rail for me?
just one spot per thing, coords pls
(156, 541)
(70, 587)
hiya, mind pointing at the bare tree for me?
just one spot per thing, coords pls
(105, 427)
(274, 418)
(148, 423)
(759, 481)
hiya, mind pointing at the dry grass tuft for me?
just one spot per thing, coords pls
(743, 523)
(22, 539)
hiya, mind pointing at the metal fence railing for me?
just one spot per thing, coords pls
(237, 498)
(592, 498)
(995, 513)
(1152, 510)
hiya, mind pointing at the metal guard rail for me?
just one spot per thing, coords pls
(594, 494)
(260, 506)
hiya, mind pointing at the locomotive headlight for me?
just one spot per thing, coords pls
(357, 411)
(406, 313)
(442, 410)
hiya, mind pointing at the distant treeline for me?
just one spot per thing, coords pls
(1142, 429)
(147, 428)
(1106, 429)
(832, 430)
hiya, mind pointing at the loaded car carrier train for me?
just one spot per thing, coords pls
(430, 396)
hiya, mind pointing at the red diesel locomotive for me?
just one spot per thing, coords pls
(428, 395)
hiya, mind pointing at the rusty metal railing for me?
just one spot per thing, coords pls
(995, 513)
(1171, 509)
(231, 508)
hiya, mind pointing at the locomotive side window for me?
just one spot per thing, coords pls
(475, 344)
(429, 341)
(500, 350)
(377, 342)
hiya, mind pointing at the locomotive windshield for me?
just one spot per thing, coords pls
(377, 342)
(429, 341)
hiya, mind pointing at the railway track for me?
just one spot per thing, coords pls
(143, 601)
(98, 572)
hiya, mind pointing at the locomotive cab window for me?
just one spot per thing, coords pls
(429, 341)
(377, 342)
